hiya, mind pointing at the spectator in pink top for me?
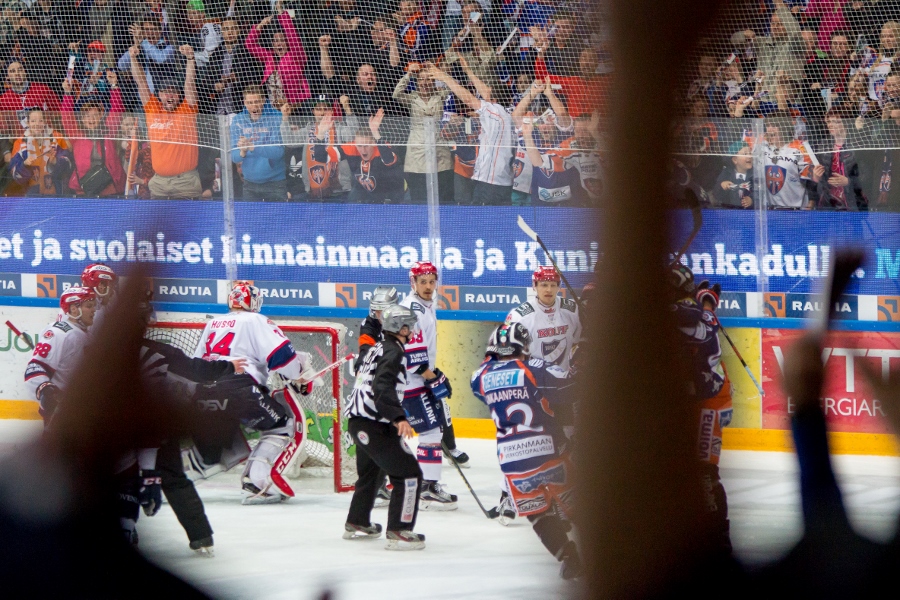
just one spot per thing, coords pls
(93, 145)
(283, 64)
(830, 14)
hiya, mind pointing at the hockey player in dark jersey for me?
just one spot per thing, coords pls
(531, 445)
(695, 316)
(379, 427)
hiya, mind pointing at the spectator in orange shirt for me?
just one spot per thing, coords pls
(172, 130)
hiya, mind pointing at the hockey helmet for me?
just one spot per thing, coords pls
(545, 274)
(423, 267)
(382, 297)
(74, 296)
(245, 296)
(395, 317)
(509, 339)
(97, 274)
(681, 280)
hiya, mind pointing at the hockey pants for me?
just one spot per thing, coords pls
(180, 492)
(379, 451)
(552, 530)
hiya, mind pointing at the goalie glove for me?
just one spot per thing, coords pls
(150, 492)
(48, 395)
(439, 374)
(439, 386)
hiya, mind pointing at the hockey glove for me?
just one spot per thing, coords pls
(304, 389)
(48, 395)
(438, 373)
(707, 294)
(438, 386)
(150, 493)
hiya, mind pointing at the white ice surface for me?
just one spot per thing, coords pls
(294, 550)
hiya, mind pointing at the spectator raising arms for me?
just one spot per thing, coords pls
(172, 130)
(256, 134)
(284, 63)
(98, 170)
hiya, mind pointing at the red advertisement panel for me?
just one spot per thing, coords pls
(847, 399)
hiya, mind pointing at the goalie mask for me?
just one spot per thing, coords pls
(383, 297)
(99, 278)
(395, 317)
(246, 297)
(509, 340)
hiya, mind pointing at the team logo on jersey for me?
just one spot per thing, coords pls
(367, 182)
(363, 438)
(554, 351)
(775, 176)
(518, 166)
(317, 174)
(554, 475)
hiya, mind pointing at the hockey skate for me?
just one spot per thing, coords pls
(203, 547)
(360, 532)
(254, 495)
(383, 497)
(571, 562)
(456, 455)
(404, 540)
(433, 497)
(504, 511)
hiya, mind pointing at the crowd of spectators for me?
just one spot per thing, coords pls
(486, 102)
(813, 87)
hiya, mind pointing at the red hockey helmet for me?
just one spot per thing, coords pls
(423, 267)
(245, 296)
(545, 274)
(74, 296)
(96, 274)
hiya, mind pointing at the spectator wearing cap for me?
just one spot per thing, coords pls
(256, 135)
(171, 128)
(493, 174)
(314, 173)
(22, 95)
(283, 63)
(229, 70)
(734, 187)
(91, 72)
(426, 107)
(98, 171)
(203, 33)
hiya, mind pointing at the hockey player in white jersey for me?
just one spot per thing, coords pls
(101, 280)
(788, 170)
(245, 333)
(58, 350)
(553, 322)
(427, 389)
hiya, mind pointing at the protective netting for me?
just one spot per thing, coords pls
(324, 342)
(318, 100)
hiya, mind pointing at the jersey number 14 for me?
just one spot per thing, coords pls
(220, 348)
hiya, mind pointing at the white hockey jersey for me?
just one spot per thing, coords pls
(554, 330)
(785, 170)
(421, 349)
(243, 334)
(56, 354)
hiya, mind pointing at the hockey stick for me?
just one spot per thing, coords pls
(327, 368)
(697, 215)
(466, 481)
(534, 236)
(741, 358)
(20, 334)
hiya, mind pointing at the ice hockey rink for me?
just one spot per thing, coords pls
(295, 551)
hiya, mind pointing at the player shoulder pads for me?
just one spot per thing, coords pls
(536, 363)
(62, 325)
(567, 304)
(524, 309)
(417, 307)
(557, 371)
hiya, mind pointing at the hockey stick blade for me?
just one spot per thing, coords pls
(19, 334)
(531, 233)
(528, 230)
(466, 481)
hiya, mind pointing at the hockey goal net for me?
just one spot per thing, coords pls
(329, 446)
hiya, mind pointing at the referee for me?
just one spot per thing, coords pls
(378, 425)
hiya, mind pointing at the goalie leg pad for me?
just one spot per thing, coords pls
(277, 449)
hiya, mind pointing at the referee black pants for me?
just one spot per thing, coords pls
(181, 493)
(380, 451)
